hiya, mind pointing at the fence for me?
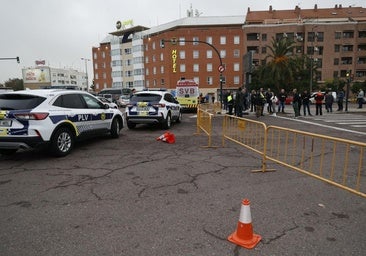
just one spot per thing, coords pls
(204, 123)
(333, 160)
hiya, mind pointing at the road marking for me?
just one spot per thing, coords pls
(322, 125)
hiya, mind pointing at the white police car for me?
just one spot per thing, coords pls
(56, 118)
(153, 107)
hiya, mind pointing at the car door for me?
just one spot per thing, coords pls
(174, 107)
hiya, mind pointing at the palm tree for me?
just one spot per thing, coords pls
(279, 69)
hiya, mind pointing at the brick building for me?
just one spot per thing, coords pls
(334, 39)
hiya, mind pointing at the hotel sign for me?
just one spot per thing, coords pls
(174, 60)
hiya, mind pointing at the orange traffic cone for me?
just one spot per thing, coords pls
(162, 137)
(169, 138)
(243, 235)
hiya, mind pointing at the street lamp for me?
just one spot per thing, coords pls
(86, 72)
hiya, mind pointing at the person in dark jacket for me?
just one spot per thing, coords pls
(281, 100)
(329, 102)
(305, 99)
(239, 103)
(295, 102)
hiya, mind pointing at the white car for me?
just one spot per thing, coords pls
(107, 101)
(153, 107)
(54, 118)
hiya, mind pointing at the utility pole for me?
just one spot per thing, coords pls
(86, 73)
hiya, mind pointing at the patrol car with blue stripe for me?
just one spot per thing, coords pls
(54, 118)
(153, 107)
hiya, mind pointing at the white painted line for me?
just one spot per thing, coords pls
(322, 125)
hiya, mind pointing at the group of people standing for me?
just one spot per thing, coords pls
(241, 100)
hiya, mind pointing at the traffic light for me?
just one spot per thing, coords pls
(18, 60)
(348, 75)
(162, 43)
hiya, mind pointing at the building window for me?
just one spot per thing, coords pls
(236, 53)
(264, 50)
(182, 68)
(362, 34)
(209, 54)
(252, 37)
(209, 67)
(95, 56)
(209, 39)
(154, 70)
(161, 56)
(223, 54)
(196, 79)
(196, 54)
(162, 81)
(236, 66)
(195, 40)
(146, 59)
(182, 55)
(337, 48)
(264, 37)
(336, 61)
(162, 69)
(154, 58)
(222, 39)
(236, 39)
(335, 74)
(209, 80)
(182, 41)
(196, 68)
(346, 60)
(236, 79)
(337, 35)
(153, 46)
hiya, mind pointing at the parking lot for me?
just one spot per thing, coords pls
(139, 196)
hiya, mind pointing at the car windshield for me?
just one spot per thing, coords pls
(19, 101)
(146, 97)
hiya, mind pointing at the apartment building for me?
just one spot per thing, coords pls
(334, 38)
(102, 64)
(195, 48)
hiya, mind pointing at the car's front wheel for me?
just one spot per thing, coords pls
(115, 129)
(62, 142)
(180, 116)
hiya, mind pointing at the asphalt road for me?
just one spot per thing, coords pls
(138, 196)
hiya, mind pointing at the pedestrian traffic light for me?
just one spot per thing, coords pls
(162, 43)
(18, 60)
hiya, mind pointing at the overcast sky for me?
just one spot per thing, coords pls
(61, 32)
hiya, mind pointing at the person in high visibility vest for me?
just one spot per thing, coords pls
(230, 103)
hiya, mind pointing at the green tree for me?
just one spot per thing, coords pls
(279, 68)
(16, 84)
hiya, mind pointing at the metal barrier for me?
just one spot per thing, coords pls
(333, 160)
(213, 108)
(247, 133)
(204, 123)
(336, 161)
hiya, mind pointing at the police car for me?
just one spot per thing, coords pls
(153, 107)
(55, 118)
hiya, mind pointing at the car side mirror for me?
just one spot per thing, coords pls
(106, 106)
